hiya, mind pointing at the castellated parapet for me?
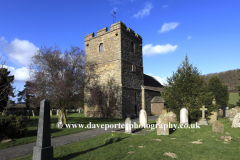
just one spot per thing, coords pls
(115, 26)
(118, 55)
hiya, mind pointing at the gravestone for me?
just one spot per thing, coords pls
(218, 127)
(212, 117)
(43, 149)
(162, 125)
(57, 112)
(223, 109)
(220, 112)
(237, 108)
(143, 118)
(183, 116)
(128, 127)
(79, 111)
(50, 112)
(59, 124)
(231, 113)
(33, 113)
(236, 121)
(203, 120)
(4, 112)
(171, 117)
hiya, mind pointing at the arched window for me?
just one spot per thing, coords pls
(101, 48)
(132, 46)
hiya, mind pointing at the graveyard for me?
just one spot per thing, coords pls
(182, 143)
(217, 138)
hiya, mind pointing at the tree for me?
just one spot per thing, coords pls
(103, 99)
(26, 96)
(238, 87)
(58, 76)
(186, 88)
(219, 91)
(6, 88)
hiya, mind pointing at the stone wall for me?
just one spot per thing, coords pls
(157, 108)
(149, 95)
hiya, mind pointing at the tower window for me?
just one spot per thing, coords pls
(132, 46)
(133, 68)
(101, 48)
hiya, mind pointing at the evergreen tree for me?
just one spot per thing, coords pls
(6, 88)
(186, 88)
(219, 91)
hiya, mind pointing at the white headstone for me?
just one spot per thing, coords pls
(143, 118)
(59, 124)
(183, 116)
(128, 127)
(236, 121)
(203, 120)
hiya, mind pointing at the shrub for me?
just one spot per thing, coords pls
(111, 139)
(12, 127)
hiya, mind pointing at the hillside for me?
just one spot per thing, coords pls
(229, 78)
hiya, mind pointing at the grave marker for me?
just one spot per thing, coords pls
(43, 149)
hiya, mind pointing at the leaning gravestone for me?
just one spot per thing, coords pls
(183, 116)
(33, 113)
(128, 127)
(43, 149)
(143, 118)
(59, 124)
(236, 121)
(203, 120)
(162, 125)
(218, 127)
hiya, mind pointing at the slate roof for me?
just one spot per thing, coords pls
(150, 81)
(157, 99)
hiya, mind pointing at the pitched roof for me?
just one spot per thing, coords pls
(150, 81)
(158, 99)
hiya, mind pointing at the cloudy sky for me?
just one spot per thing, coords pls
(207, 31)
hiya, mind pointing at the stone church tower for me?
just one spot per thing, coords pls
(118, 55)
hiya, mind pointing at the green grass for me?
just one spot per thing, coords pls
(211, 148)
(233, 98)
(72, 118)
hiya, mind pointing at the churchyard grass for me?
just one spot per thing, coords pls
(233, 98)
(72, 118)
(178, 142)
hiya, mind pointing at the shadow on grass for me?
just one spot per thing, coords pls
(73, 155)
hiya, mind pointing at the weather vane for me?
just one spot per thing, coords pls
(113, 15)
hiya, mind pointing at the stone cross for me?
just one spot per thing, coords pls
(43, 149)
(203, 111)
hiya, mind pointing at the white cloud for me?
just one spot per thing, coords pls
(149, 49)
(165, 6)
(189, 37)
(159, 79)
(20, 51)
(168, 26)
(145, 11)
(20, 74)
(2, 41)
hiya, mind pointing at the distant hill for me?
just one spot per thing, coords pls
(229, 78)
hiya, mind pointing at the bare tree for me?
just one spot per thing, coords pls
(58, 76)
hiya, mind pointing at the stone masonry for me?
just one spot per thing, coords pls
(120, 59)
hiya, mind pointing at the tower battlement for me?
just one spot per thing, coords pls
(116, 26)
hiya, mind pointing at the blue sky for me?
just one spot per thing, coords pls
(207, 30)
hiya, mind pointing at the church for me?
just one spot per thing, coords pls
(118, 54)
